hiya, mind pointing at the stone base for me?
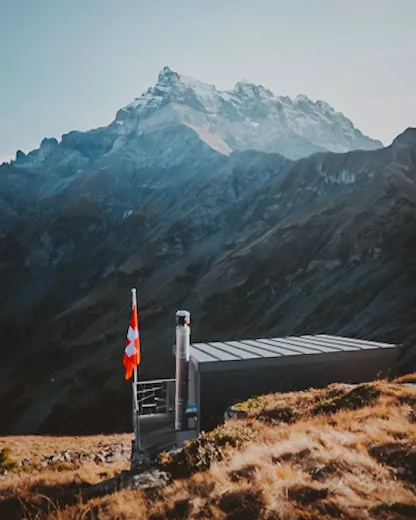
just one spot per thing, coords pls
(140, 460)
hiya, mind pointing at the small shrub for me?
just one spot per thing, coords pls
(198, 454)
(6, 462)
(252, 404)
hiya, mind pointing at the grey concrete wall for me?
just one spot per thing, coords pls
(220, 389)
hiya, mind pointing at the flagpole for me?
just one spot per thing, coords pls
(136, 421)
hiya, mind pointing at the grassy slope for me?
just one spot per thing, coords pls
(30, 491)
(341, 452)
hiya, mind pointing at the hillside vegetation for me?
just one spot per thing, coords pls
(343, 452)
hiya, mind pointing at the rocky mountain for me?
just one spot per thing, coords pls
(177, 111)
(252, 243)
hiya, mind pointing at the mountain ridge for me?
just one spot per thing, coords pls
(246, 117)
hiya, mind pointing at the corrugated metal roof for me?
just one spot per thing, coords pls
(279, 347)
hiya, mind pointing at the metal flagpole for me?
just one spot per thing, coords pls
(136, 421)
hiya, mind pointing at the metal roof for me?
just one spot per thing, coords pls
(290, 346)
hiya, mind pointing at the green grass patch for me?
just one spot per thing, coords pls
(198, 454)
(6, 461)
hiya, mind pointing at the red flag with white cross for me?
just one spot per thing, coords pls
(132, 351)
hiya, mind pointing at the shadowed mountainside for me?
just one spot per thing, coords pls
(252, 244)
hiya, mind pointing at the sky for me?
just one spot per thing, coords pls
(71, 64)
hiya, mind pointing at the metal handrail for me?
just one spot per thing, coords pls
(154, 381)
(155, 394)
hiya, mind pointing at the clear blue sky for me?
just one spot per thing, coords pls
(71, 64)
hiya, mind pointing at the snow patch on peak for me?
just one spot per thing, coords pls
(251, 89)
(175, 88)
(205, 93)
(247, 117)
(344, 177)
(212, 140)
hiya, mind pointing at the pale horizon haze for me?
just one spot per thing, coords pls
(70, 65)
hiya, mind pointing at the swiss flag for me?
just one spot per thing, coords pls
(132, 350)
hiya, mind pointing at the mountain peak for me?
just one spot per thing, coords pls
(301, 98)
(167, 76)
(244, 81)
(251, 90)
(247, 117)
(49, 141)
(244, 86)
(407, 137)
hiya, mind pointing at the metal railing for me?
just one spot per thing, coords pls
(156, 396)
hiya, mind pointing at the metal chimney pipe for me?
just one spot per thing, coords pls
(183, 340)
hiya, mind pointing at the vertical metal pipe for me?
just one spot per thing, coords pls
(192, 408)
(183, 340)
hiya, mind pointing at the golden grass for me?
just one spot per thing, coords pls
(31, 491)
(341, 452)
(408, 378)
(34, 447)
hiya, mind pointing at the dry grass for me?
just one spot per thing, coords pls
(34, 447)
(32, 490)
(408, 378)
(342, 452)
